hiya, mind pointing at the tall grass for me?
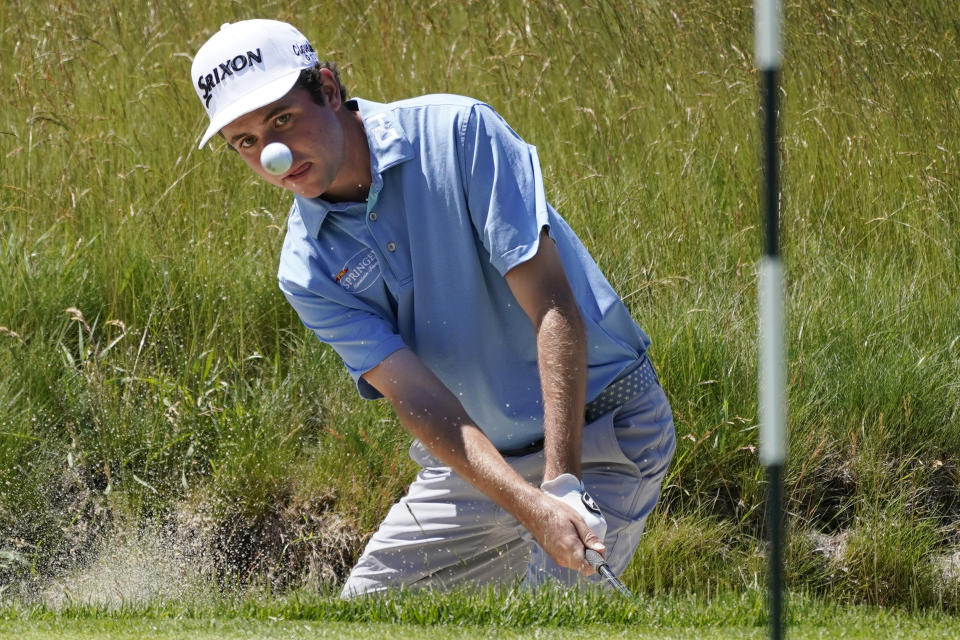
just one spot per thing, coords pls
(151, 366)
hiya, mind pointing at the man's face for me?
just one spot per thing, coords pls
(313, 133)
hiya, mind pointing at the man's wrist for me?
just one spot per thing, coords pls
(569, 489)
(528, 505)
(561, 484)
(559, 463)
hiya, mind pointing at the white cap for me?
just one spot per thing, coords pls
(247, 65)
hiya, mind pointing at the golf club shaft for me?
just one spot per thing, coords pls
(597, 562)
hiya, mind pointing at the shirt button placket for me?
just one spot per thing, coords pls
(391, 246)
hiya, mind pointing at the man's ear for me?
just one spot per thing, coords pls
(331, 90)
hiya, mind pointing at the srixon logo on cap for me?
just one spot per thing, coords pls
(224, 70)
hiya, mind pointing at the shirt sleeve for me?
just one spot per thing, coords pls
(504, 188)
(360, 337)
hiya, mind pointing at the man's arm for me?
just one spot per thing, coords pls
(540, 286)
(428, 410)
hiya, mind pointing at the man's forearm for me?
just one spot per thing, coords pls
(433, 415)
(429, 412)
(541, 287)
(561, 352)
(449, 434)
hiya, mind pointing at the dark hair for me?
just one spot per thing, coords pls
(311, 80)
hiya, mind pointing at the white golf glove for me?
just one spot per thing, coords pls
(567, 488)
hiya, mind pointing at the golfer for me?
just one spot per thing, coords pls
(421, 247)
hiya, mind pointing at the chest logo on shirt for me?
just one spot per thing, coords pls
(360, 271)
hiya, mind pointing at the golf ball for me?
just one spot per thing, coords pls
(276, 158)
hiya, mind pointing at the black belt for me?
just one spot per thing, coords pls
(630, 384)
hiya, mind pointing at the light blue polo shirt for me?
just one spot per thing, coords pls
(457, 200)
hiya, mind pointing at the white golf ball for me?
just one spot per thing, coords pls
(276, 158)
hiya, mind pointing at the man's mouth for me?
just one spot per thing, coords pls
(299, 172)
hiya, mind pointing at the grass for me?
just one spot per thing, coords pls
(217, 629)
(156, 383)
(486, 614)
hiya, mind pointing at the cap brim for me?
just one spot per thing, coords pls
(264, 95)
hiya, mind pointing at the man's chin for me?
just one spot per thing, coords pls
(303, 191)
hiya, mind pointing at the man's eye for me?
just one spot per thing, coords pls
(247, 142)
(284, 119)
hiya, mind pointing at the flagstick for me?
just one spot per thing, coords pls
(772, 352)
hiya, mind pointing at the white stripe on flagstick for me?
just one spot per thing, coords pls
(766, 14)
(773, 447)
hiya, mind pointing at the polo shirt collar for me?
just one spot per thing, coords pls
(388, 142)
(389, 146)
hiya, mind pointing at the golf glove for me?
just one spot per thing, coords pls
(567, 488)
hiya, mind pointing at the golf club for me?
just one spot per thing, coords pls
(597, 562)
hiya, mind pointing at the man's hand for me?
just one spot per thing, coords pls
(569, 489)
(562, 532)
